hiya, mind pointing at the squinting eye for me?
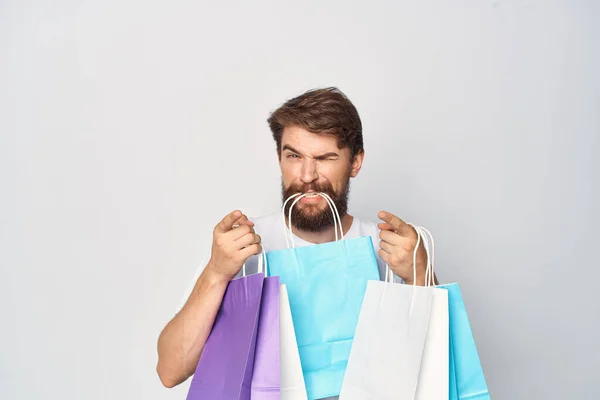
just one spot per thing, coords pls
(292, 155)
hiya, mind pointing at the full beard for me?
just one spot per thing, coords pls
(314, 217)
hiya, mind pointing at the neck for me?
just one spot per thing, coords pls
(328, 235)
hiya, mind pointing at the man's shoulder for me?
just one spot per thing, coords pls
(365, 227)
(271, 229)
(267, 222)
(266, 218)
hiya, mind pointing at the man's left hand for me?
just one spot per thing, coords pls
(398, 241)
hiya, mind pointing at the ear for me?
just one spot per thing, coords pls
(357, 164)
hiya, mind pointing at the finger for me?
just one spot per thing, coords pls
(399, 226)
(237, 233)
(251, 250)
(247, 240)
(385, 227)
(227, 223)
(391, 237)
(385, 246)
(385, 256)
(243, 221)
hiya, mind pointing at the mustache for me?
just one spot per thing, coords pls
(308, 187)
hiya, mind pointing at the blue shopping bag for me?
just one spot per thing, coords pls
(326, 284)
(467, 381)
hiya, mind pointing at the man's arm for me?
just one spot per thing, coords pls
(182, 340)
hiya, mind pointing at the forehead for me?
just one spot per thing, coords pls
(305, 141)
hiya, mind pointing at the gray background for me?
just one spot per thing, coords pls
(129, 128)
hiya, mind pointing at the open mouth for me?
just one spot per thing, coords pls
(311, 198)
(311, 195)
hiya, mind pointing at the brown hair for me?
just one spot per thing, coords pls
(322, 111)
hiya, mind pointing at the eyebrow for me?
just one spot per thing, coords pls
(322, 156)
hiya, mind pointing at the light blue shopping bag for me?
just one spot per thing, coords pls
(467, 381)
(326, 284)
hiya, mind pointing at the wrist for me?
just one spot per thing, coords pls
(214, 276)
(420, 278)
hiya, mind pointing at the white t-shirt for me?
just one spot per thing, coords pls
(272, 231)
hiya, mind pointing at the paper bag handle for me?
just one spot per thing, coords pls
(262, 264)
(427, 238)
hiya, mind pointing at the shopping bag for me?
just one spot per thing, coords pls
(225, 368)
(465, 364)
(389, 343)
(266, 376)
(326, 284)
(408, 360)
(292, 379)
(433, 383)
(453, 393)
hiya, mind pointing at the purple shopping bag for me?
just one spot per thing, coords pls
(224, 371)
(266, 379)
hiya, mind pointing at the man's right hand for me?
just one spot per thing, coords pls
(234, 241)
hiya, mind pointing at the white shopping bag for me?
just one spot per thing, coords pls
(292, 379)
(401, 345)
(388, 346)
(434, 375)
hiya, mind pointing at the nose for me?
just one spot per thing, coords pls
(309, 172)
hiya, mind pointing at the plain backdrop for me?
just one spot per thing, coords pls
(129, 128)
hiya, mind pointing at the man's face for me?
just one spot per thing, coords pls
(313, 163)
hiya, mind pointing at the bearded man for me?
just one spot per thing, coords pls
(319, 142)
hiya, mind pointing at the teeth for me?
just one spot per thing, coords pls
(311, 195)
